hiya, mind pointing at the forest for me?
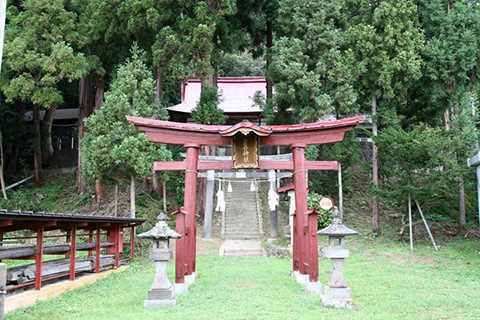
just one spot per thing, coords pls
(411, 66)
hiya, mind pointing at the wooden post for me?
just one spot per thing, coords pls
(300, 183)
(97, 250)
(73, 248)
(207, 224)
(312, 237)
(132, 242)
(3, 288)
(90, 239)
(180, 248)
(38, 259)
(190, 198)
(117, 244)
(67, 240)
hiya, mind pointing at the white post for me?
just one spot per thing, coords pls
(410, 221)
(3, 288)
(340, 191)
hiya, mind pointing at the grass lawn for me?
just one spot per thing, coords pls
(387, 281)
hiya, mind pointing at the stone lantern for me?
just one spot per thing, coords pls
(337, 293)
(161, 293)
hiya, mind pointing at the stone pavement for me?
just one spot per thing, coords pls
(241, 248)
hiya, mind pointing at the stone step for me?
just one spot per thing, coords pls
(240, 237)
(244, 253)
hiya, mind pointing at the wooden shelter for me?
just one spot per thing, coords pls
(246, 139)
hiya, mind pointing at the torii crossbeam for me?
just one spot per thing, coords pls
(246, 138)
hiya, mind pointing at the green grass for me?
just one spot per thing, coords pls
(387, 281)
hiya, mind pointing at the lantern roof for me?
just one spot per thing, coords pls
(161, 231)
(337, 228)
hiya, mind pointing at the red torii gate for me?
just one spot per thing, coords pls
(251, 136)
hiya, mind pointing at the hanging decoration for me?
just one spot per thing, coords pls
(252, 187)
(229, 189)
(272, 199)
(221, 204)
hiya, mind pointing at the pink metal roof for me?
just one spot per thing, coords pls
(236, 94)
(217, 129)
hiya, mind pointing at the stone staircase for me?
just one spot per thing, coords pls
(241, 219)
(242, 229)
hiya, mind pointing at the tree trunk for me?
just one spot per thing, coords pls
(155, 184)
(83, 112)
(376, 224)
(215, 76)
(116, 199)
(99, 192)
(446, 119)
(47, 143)
(132, 196)
(269, 34)
(461, 194)
(158, 87)
(2, 180)
(37, 150)
(99, 92)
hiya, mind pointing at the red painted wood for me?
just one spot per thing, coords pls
(111, 237)
(97, 250)
(117, 245)
(120, 241)
(168, 165)
(90, 239)
(67, 240)
(73, 248)
(180, 252)
(227, 164)
(7, 222)
(300, 183)
(313, 239)
(182, 137)
(38, 259)
(132, 242)
(308, 137)
(190, 198)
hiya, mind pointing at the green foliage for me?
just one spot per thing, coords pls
(385, 43)
(324, 219)
(240, 65)
(312, 75)
(112, 146)
(39, 40)
(207, 111)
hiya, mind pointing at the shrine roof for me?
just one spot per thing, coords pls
(237, 94)
(160, 124)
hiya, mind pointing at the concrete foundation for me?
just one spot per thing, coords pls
(314, 287)
(339, 298)
(159, 303)
(180, 288)
(301, 278)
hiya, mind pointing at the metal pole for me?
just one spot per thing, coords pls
(410, 221)
(426, 225)
(478, 193)
(340, 191)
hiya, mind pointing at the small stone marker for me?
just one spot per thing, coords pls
(161, 293)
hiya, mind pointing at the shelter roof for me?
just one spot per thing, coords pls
(237, 94)
(42, 216)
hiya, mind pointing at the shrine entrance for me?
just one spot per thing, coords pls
(245, 139)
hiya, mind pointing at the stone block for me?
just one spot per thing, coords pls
(336, 253)
(302, 278)
(337, 293)
(147, 304)
(160, 255)
(158, 294)
(189, 279)
(179, 288)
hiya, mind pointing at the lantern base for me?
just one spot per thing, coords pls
(147, 304)
(339, 298)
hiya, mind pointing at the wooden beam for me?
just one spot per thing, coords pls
(6, 222)
(227, 164)
(181, 137)
(306, 137)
